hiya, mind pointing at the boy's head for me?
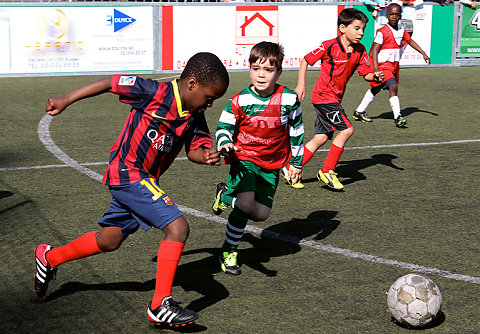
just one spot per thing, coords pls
(203, 80)
(348, 15)
(351, 23)
(266, 60)
(394, 14)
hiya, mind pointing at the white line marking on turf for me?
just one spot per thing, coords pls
(44, 135)
(321, 150)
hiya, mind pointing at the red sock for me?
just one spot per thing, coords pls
(84, 246)
(332, 158)
(307, 155)
(168, 256)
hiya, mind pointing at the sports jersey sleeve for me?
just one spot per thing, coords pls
(226, 126)
(315, 55)
(133, 90)
(295, 126)
(378, 37)
(200, 136)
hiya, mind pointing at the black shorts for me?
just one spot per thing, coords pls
(330, 117)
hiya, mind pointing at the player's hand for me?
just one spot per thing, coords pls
(300, 90)
(55, 105)
(295, 174)
(427, 59)
(212, 157)
(378, 76)
(227, 149)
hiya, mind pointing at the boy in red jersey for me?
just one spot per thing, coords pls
(261, 130)
(163, 118)
(340, 57)
(387, 49)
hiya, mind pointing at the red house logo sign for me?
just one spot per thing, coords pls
(256, 24)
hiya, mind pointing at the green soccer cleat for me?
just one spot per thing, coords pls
(361, 116)
(228, 262)
(330, 179)
(218, 206)
(400, 122)
(284, 173)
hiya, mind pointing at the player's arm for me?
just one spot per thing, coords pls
(417, 47)
(302, 71)
(296, 133)
(375, 50)
(56, 105)
(225, 130)
(204, 156)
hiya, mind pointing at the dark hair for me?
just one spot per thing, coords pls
(395, 4)
(348, 15)
(206, 68)
(273, 52)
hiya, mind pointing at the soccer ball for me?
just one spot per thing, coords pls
(414, 300)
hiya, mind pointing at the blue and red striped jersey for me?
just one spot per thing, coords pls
(336, 69)
(155, 130)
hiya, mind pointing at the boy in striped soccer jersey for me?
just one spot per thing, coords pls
(260, 130)
(164, 117)
(340, 57)
(387, 49)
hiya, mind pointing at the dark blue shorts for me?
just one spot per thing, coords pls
(143, 204)
(330, 117)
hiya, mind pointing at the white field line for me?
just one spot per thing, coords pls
(44, 135)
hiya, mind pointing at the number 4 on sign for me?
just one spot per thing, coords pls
(475, 20)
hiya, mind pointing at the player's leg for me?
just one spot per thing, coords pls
(267, 183)
(360, 113)
(237, 221)
(111, 236)
(242, 185)
(163, 308)
(399, 120)
(342, 123)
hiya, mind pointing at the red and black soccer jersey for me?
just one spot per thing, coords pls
(156, 129)
(336, 69)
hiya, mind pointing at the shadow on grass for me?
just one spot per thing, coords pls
(405, 112)
(284, 238)
(199, 275)
(439, 319)
(351, 169)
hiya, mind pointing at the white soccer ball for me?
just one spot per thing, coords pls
(414, 300)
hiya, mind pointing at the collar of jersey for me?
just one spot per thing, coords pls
(177, 98)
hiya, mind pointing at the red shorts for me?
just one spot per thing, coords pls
(390, 70)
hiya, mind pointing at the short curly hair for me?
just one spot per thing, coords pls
(207, 68)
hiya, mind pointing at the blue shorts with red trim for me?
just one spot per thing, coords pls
(142, 203)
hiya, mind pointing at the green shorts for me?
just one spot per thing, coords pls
(247, 176)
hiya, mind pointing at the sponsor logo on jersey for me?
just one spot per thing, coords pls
(127, 80)
(119, 20)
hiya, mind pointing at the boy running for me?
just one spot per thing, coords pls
(340, 57)
(387, 49)
(164, 117)
(261, 130)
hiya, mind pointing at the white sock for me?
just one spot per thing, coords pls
(367, 99)
(395, 104)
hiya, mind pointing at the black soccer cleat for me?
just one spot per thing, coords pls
(171, 313)
(361, 116)
(44, 273)
(400, 122)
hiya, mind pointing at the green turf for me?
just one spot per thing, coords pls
(416, 204)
